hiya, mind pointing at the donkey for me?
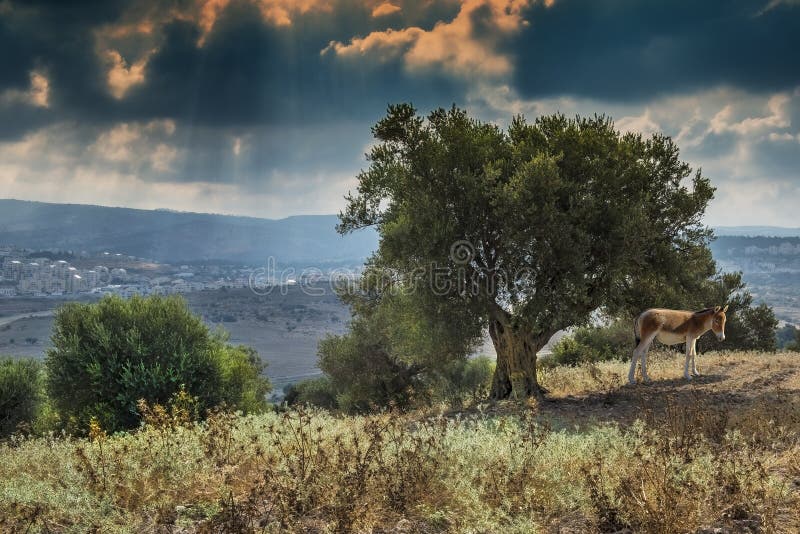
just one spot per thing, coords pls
(672, 327)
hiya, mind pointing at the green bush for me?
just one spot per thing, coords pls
(568, 351)
(593, 344)
(795, 345)
(363, 371)
(108, 355)
(314, 391)
(455, 381)
(459, 380)
(785, 336)
(21, 393)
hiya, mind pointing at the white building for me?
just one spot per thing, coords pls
(8, 291)
(12, 270)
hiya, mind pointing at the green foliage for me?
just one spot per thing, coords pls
(108, 355)
(398, 344)
(753, 329)
(748, 327)
(796, 344)
(21, 393)
(244, 386)
(364, 372)
(314, 391)
(569, 352)
(461, 380)
(786, 336)
(594, 344)
(561, 217)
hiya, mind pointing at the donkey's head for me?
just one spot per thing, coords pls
(718, 322)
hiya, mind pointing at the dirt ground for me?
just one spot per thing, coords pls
(731, 382)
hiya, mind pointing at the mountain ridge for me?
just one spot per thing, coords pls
(185, 236)
(166, 235)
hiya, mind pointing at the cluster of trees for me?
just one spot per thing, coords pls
(109, 355)
(525, 231)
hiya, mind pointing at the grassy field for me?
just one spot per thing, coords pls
(720, 454)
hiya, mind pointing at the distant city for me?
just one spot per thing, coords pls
(56, 273)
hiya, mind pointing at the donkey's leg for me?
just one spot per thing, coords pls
(695, 372)
(634, 359)
(641, 353)
(645, 377)
(689, 345)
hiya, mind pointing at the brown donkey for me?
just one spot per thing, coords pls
(672, 327)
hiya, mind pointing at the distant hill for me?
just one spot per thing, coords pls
(755, 231)
(170, 236)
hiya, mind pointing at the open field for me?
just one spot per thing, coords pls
(720, 454)
(28, 336)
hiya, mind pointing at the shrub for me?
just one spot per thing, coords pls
(786, 335)
(593, 344)
(109, 355)
(314, 391)
(21, 393)
(363, 372)
(399, 346)
(454, 382)
(795, 345)
(459, 380)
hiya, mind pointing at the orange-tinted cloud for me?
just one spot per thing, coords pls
(386, 8)
(38, 94)
(456, 45)
(122, 76)
(40, 90)
(277, 12)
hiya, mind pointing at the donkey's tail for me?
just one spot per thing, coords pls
(636, 332)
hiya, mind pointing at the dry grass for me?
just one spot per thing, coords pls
(720, 453)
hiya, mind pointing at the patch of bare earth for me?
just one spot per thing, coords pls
(736, 381)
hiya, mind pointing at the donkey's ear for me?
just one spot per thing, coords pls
(716, 309)
(725, 309)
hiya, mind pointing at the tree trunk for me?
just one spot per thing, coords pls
(515, 374)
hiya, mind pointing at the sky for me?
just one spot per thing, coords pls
(264, 107)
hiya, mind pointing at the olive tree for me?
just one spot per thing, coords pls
(534, 227)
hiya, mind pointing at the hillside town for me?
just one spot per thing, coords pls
(44, 273)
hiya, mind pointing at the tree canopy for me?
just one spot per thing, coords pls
(531, 228)
(400, 349)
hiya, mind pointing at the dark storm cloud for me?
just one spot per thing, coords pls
(56, 39)
(18, 119)
(248, 71)
(152, 97)
(628, 49)
(16, 59)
